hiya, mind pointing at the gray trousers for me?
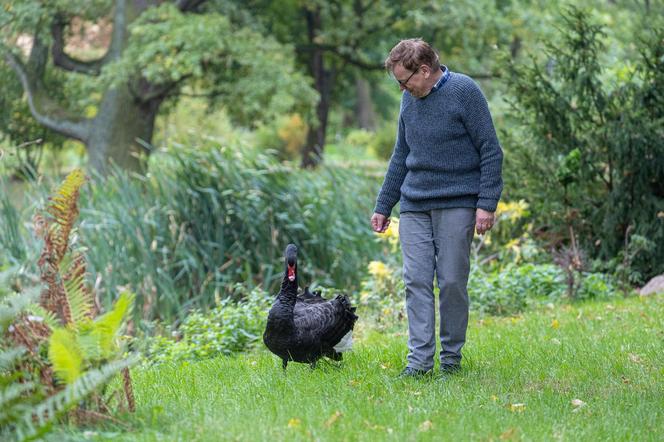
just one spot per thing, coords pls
(436, 242)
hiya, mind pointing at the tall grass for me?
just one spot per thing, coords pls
(204, 219)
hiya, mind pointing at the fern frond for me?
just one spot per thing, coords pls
(9, 357)
(78, 295)
(10, 394)
(63, 207)
(10, 307)
(65, 355)
(44, 315)
(98, 339)
(48, 410)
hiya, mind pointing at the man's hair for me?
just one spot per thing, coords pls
(412, 53)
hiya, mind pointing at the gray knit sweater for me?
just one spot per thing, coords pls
(446, 153)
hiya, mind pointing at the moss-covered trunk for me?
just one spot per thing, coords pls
(122, 131)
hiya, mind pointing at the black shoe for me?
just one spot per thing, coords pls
(446, 369)
(410, 372)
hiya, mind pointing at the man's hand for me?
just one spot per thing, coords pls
(483, 221)
(379, 223)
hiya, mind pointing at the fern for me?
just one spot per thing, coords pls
(71, 349)
(9, 357)
(77, 295)
(63, 207)
(65, 355)
(38, 417)
(64, 320)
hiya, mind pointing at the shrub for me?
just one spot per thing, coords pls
(591, 149)
(59, 351)
(286, 135)
(231, 326)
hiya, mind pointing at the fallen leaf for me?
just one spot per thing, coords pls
(625, 380)
(294, 422)
(426, 426)
(335, 416)
(494, 397)
(517, 407)
(577, 403)
(635, 358)
(410, 409)
(508, 434)
(555, 323)
(555, 341)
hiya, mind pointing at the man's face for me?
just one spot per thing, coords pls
(412, 81)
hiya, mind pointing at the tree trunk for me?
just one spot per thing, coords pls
(121, 132)
(312, 154)
(366, 116)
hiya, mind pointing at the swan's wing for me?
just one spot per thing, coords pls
(326, 322)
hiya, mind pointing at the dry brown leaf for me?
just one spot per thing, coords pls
(508, 434)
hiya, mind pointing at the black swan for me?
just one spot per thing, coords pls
(307, 327)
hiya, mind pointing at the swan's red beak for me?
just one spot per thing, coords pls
(291, 273)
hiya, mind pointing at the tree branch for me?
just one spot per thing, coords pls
(346, 57)
(45, 111)
(188, 5)
(67, 62)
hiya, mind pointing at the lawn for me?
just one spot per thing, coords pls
(586, 371)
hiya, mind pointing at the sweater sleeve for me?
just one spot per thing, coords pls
(390, 191)
(478, 122)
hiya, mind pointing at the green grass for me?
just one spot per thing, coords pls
(519, 379)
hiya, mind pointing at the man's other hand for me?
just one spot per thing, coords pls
(484, 221)
(379, 223)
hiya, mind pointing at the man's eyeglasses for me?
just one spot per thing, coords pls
(404, 82)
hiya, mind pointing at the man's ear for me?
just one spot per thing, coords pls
(426, 70)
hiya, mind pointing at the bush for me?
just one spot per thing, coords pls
(382, 142)
(287, 136)
(231, 326)
(514, 288)
(589, 149)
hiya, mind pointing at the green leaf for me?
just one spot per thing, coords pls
(65, 355)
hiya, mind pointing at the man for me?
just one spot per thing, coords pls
(445, 172)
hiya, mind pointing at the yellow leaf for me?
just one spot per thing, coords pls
(508, 434)
(427, 425)
(555, 323)
(332, 419)
(517, 408)
(294, 422)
